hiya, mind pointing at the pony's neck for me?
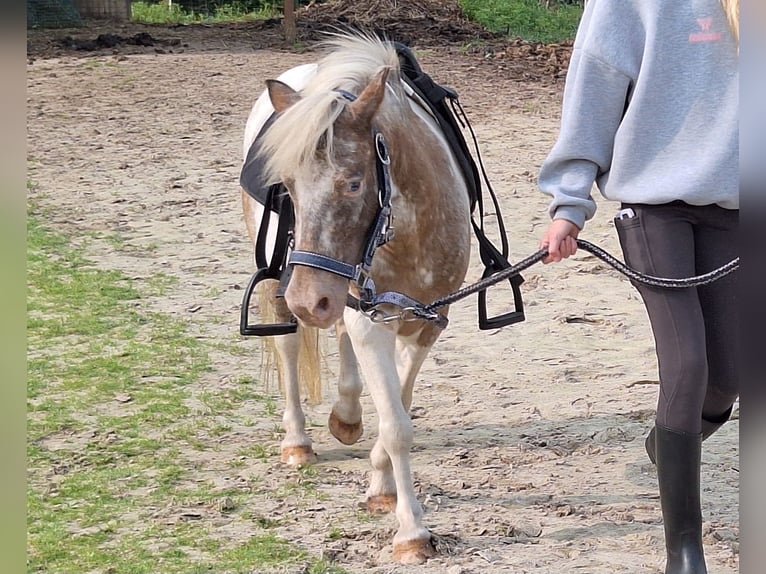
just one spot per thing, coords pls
(419, 161)
(426, 178)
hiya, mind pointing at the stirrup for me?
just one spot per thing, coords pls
(262, 329)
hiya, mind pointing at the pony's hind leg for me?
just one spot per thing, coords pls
(345, 420)
(381, 494)
(296, 446)
(411, 352)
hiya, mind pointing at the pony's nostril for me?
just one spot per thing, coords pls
(323, 304)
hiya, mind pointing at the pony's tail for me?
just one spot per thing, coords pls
(731, 8)
(309, 364)
(309, 353)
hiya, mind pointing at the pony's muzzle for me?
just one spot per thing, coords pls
(316, 298)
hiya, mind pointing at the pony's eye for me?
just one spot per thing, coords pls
(348, 186)
(354, 186)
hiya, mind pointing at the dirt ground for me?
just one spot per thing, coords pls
(529, 450)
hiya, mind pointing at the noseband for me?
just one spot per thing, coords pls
(381, 231)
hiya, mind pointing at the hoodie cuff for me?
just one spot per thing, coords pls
(574, 214)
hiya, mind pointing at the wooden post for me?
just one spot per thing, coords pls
(289, 21)
(110, 9)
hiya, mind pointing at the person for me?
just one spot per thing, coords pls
(650, 115)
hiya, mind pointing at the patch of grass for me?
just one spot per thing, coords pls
(99, 64)
(270, 406)
(335, 533)
(117, 241)
(258, 451)
(324, 567)
(212, 292)
(265, 522)
(526, 19)
(304, 486)
(114, 484)
(265, 550)
(162, 13)
(159, 284)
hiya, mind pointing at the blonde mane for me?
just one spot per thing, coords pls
(731, 7)
(348, 64)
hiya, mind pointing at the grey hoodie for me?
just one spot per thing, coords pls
(650, 110)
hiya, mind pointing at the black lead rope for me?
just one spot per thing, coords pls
(607, 258)
(414, 310)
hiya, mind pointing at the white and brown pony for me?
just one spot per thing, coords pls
(342, 125)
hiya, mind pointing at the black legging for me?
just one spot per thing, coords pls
(695, 329)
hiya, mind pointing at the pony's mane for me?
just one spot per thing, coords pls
(349, 63)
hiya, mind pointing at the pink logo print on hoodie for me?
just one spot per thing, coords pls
(705, 34)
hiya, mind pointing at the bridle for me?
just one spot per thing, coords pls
(381, 232)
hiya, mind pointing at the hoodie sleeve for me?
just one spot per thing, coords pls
(595, 97)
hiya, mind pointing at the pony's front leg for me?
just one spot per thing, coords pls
(296, 446)
(411, 353)
(375, 346)
(345, 420)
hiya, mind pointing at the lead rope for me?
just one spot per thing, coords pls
(632, 274)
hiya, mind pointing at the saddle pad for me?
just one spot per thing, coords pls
(251, 177)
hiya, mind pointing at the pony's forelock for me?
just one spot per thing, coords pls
(350, 61)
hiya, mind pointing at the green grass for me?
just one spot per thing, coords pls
(114, 482)
(526, 19)
(161, 13)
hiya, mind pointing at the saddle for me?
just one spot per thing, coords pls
(443, 104)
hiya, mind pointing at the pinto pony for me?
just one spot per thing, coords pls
(337, 123)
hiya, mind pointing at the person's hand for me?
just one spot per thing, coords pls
(560, 239)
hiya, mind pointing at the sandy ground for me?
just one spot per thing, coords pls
(529, 450)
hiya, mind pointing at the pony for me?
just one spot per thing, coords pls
(368, 171)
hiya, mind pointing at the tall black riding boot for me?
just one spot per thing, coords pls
(678, 474)
(708, 428)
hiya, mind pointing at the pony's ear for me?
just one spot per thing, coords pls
(282, 96)
(365, 106)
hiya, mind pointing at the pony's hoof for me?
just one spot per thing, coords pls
(414, 551)
(381, 503)
(346, 433)
(298, 455)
